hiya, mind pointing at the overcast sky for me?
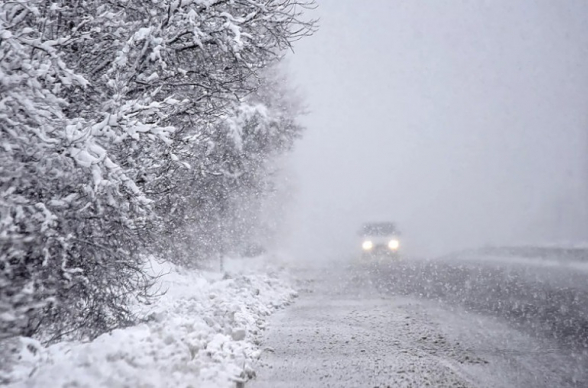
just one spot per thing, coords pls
(466, 122)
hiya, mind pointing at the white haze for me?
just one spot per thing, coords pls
(466, 122)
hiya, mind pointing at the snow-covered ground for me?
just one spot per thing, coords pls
(202, 333)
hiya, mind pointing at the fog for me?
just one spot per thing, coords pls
(466, 122)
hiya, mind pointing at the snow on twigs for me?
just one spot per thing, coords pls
(201, 333)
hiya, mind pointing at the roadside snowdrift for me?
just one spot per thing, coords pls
(201, 333)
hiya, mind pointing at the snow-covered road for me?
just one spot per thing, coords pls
(394, 327)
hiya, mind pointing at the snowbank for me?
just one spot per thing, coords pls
(202, 333)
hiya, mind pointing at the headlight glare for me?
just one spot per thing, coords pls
(394, 244)
(367, 245)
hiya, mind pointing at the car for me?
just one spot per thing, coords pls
(379, 240)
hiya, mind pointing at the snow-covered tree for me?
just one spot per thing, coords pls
(69, 211)
(215, 205)
(119, 121)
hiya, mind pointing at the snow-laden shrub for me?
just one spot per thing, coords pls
(125, 127)
(70, 214)
(216, 206)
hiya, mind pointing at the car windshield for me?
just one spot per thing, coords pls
(378, 229)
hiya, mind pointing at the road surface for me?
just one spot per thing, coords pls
(451, 322)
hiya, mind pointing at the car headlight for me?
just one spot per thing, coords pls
(367, 245)
(394, 244)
